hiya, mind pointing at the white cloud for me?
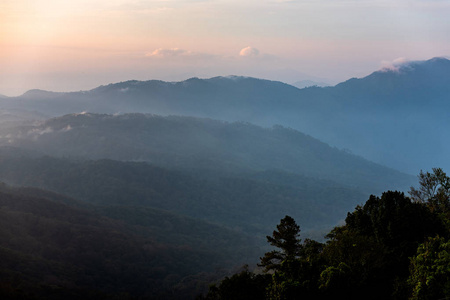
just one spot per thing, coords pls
(249, 52)
(179, 54)
(161, 52)
(67, 128)
(38, 131)
(393, 65)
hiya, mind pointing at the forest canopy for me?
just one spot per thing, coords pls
(392, 247)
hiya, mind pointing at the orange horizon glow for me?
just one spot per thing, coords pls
(317, 39)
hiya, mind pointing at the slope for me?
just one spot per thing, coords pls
(249, 202)
(381, 117)
(202, 144)
(52, 248)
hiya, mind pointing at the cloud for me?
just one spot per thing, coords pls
(161, 52)
(67, 128)
(249, 52)
(38, 131)
(179, 54)
(393, 65)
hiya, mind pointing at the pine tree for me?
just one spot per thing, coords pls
(286, 239)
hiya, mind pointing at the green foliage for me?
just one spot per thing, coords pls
(296, 277)
(378, 240)
(282, 287)
(354, 265)
(434, 190)
(394, 221)
(241, 286)
(335, 278)
(433, 187)
(375, 255)
(430, 270)
(295, 266)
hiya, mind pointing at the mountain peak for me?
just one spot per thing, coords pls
(403, 65)
(440, 60)
(401, 75)
(39, 93)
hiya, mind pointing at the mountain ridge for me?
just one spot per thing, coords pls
(400, 68)
(187, 142)
(375, 116)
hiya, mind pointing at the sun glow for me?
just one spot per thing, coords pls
(321, 38)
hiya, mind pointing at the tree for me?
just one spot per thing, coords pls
(434, 190)
(286, 238)
(430, 271)
(376, 243)
(244, 285)
(354, 266)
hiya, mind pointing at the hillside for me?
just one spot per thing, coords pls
(201, 144)
(250, 202)
(52, 248)
(378, 116)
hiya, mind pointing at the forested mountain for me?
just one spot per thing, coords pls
(182, 197)
(249, 202)
(203, 144)
(54, 247)
(180, 230)
(378, 116)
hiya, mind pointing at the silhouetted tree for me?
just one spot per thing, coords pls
(286, 239)
(245, 285)
(434, 191)
(433, 187)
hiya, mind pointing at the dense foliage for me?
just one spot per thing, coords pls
(54, 247)
(389, 248)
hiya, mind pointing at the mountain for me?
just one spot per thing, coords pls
(54, 247)
(309, 83)
(200, 97)
(202, 144)
(16, 117)
(36, 93)
(396, 117)
(204, 205)
(405, 84)
(123, 203)
(250, 202)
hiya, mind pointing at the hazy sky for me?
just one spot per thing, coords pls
(67, 45)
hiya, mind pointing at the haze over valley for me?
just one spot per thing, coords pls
(230, 152)
(375, 117)
(224, 150)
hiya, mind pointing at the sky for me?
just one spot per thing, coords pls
(71, 45)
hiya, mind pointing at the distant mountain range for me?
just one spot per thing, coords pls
(202, 144)
(394, 117)
(155, 189)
